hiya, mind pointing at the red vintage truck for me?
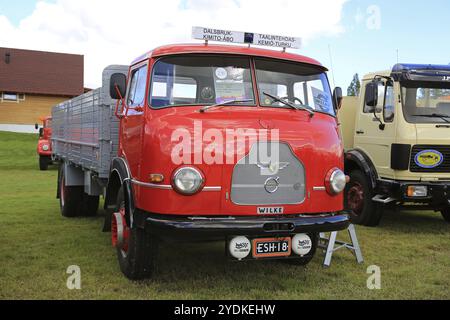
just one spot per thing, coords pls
(44, 147)
(178, 143)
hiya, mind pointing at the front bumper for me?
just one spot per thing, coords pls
(438, 193)
(45, 153)
(223, 227)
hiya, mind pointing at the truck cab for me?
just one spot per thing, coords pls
(44, 147)
(397, 142)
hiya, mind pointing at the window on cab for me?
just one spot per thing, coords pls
(389, 103)
(385, 102)
(188, 80)
(426, 102)
(300, 84)
(136, 93)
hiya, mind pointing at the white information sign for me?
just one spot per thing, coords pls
(208, 34)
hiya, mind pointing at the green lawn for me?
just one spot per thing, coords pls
(37, 245)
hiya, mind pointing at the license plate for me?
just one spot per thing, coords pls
(272, 247)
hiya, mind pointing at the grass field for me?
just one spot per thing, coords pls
(37, 245)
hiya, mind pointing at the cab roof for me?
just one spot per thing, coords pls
(370, 76)
(226, 49)
(406, 68)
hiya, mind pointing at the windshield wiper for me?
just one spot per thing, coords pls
(290, 104)
(204, 109)
(434, 115)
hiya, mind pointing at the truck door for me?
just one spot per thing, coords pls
(132, 122)
(369, 137)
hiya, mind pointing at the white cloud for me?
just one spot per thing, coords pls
(116, 31)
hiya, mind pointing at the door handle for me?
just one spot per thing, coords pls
(360, 132)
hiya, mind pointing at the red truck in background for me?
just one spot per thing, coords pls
(161, 140)
(44, 147)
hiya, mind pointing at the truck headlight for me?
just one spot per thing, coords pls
(188, 180)
(417, 191)
(335, 181)
(45, 147)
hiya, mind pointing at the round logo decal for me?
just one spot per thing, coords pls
(240, 247)
(302, 244)
(221, 73)
(429, 159)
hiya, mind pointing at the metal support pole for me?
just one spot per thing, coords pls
(329, 245)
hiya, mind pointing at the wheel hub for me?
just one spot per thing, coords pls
(120, 231)
(355, 198)
(62, 194)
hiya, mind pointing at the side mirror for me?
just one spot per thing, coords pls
(119, 80)
(371, 95)
(337, 97)
(36, 126)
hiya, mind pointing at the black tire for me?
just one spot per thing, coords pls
(90, 205)
(70, 198)
(43, 163)
(358, 201)
(303, 261)
(139, 261)
(446, 214)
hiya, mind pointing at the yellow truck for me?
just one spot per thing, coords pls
(397, 142)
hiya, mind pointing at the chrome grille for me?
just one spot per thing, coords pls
(252, 183)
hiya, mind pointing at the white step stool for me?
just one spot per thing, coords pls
(329, 245)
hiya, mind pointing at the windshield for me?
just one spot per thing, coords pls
(201, 80)
(426, 102)
(301, 85)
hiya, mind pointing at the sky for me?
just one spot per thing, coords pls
(347, 36)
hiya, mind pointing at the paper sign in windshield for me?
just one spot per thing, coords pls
(322, 101)
(229, 83)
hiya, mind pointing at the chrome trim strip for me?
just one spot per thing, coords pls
(320, 189)
(212, 189)
(152, 185)
(211, 219)
(169, 187)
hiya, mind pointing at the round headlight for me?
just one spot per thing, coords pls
(45, 147)
(188, 180)
(335, 181)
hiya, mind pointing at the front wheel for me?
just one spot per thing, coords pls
(446, 214)
(43, 163)
(358, 200)
(136, 248)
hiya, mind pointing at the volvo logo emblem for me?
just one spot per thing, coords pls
(272, 185)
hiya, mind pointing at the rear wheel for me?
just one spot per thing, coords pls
(90, 205)
(446, 214)
(43, 163)
(136, 249)
(358, 200)
(70, 198)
